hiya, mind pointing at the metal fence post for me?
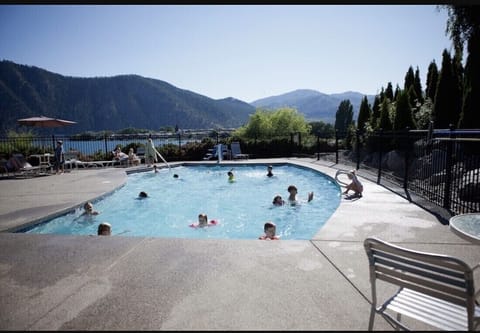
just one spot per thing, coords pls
(448, 170)
(106, 146)
(357, 144)
(380, 139)
(406, 158)
(336, 146)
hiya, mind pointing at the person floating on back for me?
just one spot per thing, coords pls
(270, 229)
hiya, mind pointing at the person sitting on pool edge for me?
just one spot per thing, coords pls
(88, 206)
(356, 186)
(292, 198)
(203, 222)
(104, 229)
(270, 229)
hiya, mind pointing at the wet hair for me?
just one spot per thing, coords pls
(143, 194)
(268, 225)
(175, 176)
(277, 198)
(204, 216)
(104, 226)
(292, 187)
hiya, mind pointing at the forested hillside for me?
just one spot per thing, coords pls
(109, 103)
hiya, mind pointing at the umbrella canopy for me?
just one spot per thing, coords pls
(43, 121)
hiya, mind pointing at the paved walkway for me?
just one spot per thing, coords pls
(55, 282)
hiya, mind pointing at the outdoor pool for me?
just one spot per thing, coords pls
(241, 207)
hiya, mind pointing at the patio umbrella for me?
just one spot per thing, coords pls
(45, 122)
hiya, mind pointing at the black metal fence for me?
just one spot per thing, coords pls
(441, 166)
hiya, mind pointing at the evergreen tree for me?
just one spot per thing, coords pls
(470, 115)
(344, 117)
(375, 112)
(382, 94)
(397, 91)
(403, 113)
(409, 79)
(364, 114)
(463, 25)
(432, 81)
(384, 122)
(444, 107)
(412, 97)
(417, 84)
(457, 86)
(389, 91)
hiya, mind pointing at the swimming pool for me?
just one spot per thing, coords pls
(241, 208)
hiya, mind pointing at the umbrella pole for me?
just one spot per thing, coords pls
(53, 141)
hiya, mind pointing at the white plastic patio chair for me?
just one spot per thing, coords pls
(237, 151)
(433, 288)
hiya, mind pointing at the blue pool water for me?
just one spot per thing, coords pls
(241, 208)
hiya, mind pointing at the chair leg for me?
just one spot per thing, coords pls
(372, 318)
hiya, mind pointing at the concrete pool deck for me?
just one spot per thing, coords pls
(55, 282)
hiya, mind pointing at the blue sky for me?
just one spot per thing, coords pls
(243, 51)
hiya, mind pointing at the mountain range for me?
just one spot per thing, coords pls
(118, 102)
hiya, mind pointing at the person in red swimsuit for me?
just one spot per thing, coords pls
(203, 222)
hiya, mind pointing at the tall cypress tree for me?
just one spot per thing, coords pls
(463, 25)
(389, 91)
(384, 122)
(432, 81)
(375, 112)
(409, 79)
(363, 114)
(444, 107)
(397, 91)
(417, 84)
(470, 115)
(344, 117)
(403, 113)
(457, 86)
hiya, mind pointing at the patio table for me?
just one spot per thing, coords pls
(466, 226)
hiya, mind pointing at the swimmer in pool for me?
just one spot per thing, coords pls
(89, 209)
(269, 171)
(231, 177)
(104, 229)
(278, 201)
(203, 222)
(292, 198)
(269, 228)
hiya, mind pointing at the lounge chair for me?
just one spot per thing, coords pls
(435, 289)
(212, 153)
(18, 165)
(237, 151)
